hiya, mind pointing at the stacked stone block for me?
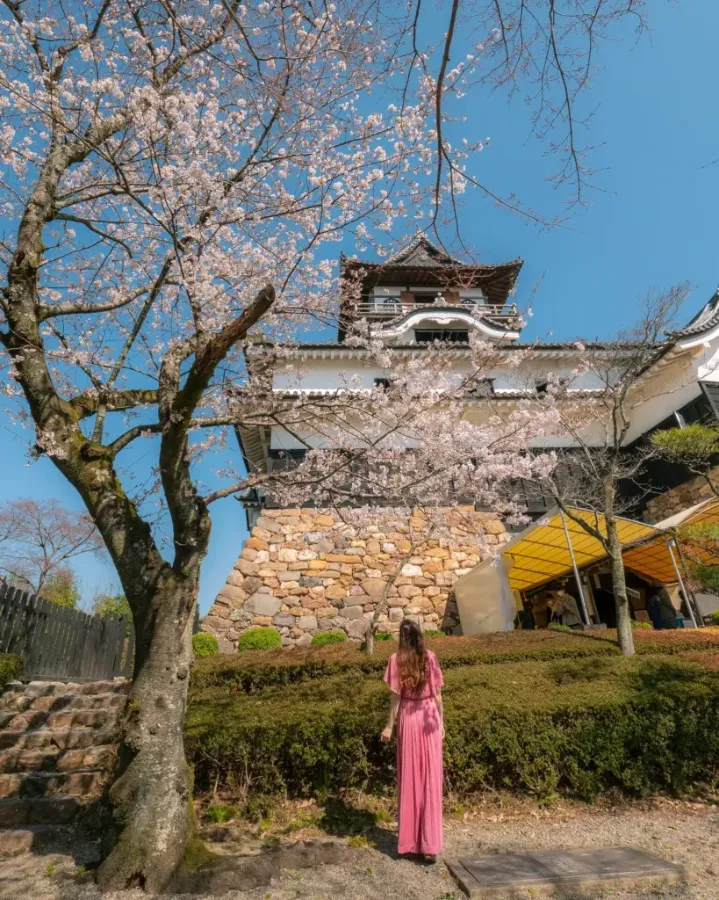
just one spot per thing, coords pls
(303, 570)
(682, 497)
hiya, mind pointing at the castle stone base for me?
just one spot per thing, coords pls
(304, 570)
(682, 497)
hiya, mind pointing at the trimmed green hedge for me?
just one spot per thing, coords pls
(256, 671)
(325, 638)
(204, 644)
(10, 668)
(578, 726)
(259, 639)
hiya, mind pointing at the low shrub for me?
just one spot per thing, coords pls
(259, 639)
(646, 626)
(557, 626)
(383, 636)
(715, 618)
(434, 633)
(11, 668)
(323, 638)
(220, 814)
(204, 644)
(638, 725)
(256, 671)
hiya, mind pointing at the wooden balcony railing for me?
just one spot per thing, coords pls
(392, 309)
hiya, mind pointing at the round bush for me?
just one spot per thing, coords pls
(645, 625)
(433, 633)
(555, 626)
(715, 618)
(323, 638)
(204, 644)
(383, 636)
(259, 639)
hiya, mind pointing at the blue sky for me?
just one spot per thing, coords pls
(653, 223)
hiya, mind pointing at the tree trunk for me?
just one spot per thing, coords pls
(625, 634)
(372, 630)
(151, 797)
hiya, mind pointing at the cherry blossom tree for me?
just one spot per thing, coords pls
(39, 540)
(598, 472)
(173, 179)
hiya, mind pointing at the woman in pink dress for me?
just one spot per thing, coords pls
(415, 679)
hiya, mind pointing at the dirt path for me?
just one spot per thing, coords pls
(676, 831)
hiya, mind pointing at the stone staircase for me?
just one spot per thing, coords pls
(58, 744)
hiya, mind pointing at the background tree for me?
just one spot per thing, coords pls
(38, 541)
(599, 473)
(172, 175)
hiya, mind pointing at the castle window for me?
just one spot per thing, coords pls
(383, 383)
(428, 336)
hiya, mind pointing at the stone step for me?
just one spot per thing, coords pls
(14, 841)
(38, 811)
(56, 739)
(21, 703)
(59, 688)
(66, 718)
(54, 760)
(85, 784)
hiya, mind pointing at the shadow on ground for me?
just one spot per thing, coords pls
(345, 820)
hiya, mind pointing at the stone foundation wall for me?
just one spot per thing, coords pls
(680, 498)
(304, 570)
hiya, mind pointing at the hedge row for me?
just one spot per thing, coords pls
(252, 671)
(10, 668)
(580, 727)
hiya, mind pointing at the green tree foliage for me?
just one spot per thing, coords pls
(112, 606)
(61, 588)
(695, 446)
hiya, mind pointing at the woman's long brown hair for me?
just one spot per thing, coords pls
(412, 657)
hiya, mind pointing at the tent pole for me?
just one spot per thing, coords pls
(681, 582)
(585, 615)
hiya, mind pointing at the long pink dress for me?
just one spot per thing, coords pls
(419, 761)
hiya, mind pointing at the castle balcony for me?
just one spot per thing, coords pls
(386, 309)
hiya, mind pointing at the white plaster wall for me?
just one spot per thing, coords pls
(668, 389)
(331, 374)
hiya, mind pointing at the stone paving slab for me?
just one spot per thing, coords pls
(503, 873)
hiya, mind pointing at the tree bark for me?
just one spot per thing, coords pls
(372, 630)
(151, 798)
(625, 635)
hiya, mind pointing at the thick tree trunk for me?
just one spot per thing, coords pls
(151, 797)
(625, 636)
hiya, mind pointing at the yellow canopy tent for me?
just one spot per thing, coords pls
(656, 559)
(557, 545)
(542, 551)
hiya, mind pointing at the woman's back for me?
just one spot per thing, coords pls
(432, 683)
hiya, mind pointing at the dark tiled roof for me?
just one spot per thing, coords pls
(558, 345)
(706, 319)
(422, 253)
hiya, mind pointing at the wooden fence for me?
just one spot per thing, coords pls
(59, 644)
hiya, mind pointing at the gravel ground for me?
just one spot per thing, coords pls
(680, 832)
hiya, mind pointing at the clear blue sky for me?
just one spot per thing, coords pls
(653, 224)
